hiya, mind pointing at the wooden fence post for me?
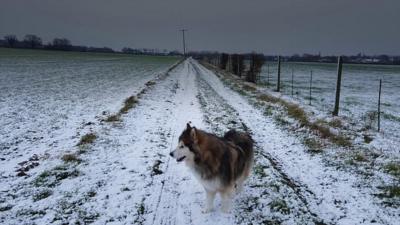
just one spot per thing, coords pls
(278, 84)
(379, 105)
(338, 83)
(267, 75)
(311, 85)
(292, 81)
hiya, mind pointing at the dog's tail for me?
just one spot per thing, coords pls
(241, 139)
(245, 143)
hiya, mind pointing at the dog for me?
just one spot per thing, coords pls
(221, 164)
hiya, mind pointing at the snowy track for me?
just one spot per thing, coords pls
(127, 176)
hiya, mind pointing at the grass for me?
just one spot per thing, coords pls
(367, 138)
(51, 178)
(268, 98)
(279, 205)
(128, 104)
(68, 158)
(390, 117)
(360, 157)
(297, 113)
(113, 118)
(87, 139)
(247, 87)
(156, 168)
(259, 170)
(42, 195)
(140, 211)
(336, 122)
(313, 145)
(281, 120)
(391, 191)
(392, 168)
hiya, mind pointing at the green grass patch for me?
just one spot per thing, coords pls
(391, 191)
(390, 117)
(280, 120)
(360, 157)
(392, 168)
(279, 205)
(51, 178)
(260, 170)
(42, 195)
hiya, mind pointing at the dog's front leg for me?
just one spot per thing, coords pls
(210, 196)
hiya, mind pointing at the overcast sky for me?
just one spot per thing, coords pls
(267, 26)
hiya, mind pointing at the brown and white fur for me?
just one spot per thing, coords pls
(221, 164)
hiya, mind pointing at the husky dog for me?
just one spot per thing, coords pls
(221, 164)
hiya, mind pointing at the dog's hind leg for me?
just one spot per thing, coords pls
(239, 184)
(210, 196)
(240, 181)
(227, 196)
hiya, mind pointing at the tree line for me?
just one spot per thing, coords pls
(243, 65)
(32, 41)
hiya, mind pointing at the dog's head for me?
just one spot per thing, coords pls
(186, 142)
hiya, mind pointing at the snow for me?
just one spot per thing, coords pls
(127, 177)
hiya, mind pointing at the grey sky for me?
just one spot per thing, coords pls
(268, 26)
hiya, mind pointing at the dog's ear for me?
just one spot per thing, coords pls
(188, 126)
(193, 134)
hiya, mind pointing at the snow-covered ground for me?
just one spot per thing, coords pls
(47, 98)
(127, 177)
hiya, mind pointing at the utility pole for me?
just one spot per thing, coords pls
(184, 43)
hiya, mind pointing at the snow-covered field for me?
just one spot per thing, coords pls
(47, 97)
(359, 95)
(126, 176)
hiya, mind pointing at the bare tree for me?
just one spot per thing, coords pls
(237, 64)
(61, 44)
(256, 62)
(11, 40)
(32, 41)
(223, 61)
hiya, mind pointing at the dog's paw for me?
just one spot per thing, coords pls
(239, 189)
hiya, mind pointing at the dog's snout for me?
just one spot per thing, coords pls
(171, 154)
